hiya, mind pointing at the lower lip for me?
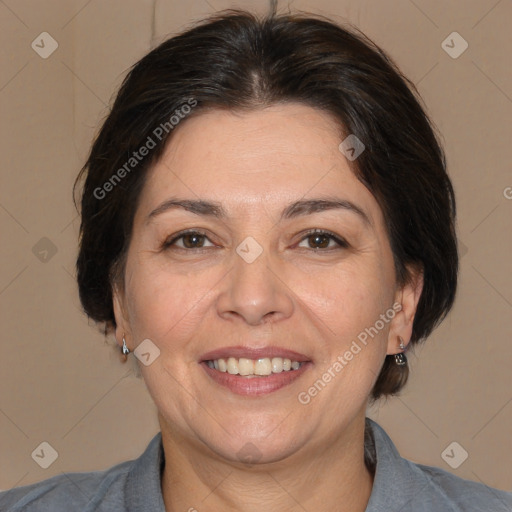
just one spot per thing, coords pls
(255, 386)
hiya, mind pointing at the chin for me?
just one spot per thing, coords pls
(257, 443)
(253, 453)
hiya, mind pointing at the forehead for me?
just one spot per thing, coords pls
(271, 156)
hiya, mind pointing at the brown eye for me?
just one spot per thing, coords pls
(321, 240)
(193, 240)
(188, 240)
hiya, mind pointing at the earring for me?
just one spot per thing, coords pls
(125, 349)
(400, 358)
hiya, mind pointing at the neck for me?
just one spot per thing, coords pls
(332, 476)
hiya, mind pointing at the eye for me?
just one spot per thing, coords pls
(193, 239)
(320, 239)
(189, 240)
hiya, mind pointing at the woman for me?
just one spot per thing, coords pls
(268, 225)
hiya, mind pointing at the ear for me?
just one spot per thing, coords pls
(408, 296)
(120, 314)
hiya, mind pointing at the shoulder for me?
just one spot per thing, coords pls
(69, 491)
(132, 485)
(455, 494)
(400, 484)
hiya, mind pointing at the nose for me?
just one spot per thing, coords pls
(255, 292)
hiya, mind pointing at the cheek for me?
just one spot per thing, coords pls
(349, 302)
(347, 298)
(165, 304)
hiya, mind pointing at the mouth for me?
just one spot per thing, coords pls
(255, 372)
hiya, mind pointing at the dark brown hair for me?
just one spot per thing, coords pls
(238, 61)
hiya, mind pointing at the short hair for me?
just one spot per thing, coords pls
(237, 61)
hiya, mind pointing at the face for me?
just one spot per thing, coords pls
(267, 271)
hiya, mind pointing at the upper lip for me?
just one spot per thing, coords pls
(254, 353)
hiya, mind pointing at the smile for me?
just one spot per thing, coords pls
(251, 383)
(254, 367)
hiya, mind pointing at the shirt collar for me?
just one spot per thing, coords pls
(143, 490)
(396, 480)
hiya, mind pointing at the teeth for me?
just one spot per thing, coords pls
(223, 366)
(262, 367)
(245, 366)
(277, 365)
(233, 366)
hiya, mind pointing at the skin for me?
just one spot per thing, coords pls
(294, 295)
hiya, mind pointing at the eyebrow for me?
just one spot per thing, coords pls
(296, 209)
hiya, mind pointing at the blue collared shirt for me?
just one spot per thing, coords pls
(134, 486)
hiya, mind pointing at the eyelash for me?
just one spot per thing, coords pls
(340, 241)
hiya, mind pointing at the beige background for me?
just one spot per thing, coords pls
(61, 383)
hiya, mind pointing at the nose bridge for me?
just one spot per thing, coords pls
(255, 291)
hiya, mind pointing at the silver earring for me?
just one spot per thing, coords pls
(400, 358)
(125, 349)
